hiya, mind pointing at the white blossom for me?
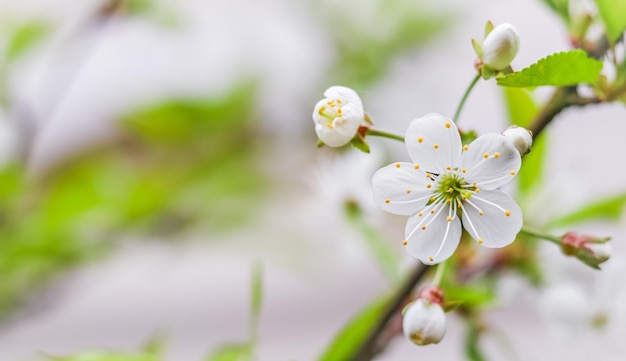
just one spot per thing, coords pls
(520, 137)
(338, 116)
(424, 322)
(500, 46)
(450, 185)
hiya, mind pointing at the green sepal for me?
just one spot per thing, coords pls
(450, 306)
(368, 119)
(487, 72)
(359, 143)
(320, 143)
(468, 136)
(488, 28)
(478, 49)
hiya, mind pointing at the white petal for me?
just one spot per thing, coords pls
(491, 161)
(433, 142)
(424, 323)
(399, 188)
(330, 137)
(349, 122)
(344, 94)
(440, 238)
(493, 229)
(500, 46)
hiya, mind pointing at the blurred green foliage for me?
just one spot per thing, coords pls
(178, 164)
(369, 35)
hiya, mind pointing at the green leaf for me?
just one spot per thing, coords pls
(236, 352)
(359, 143)
(521, 107)
(560, 7)
(613, 14)
(476, 295)
(354, 333)
(609, 209)
(102, 356)
(559, 69)
(256, 299)
(24, 38)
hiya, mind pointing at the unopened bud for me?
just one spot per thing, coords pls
(500, 46)
(592, 251)
(521, 138)
(424, 321)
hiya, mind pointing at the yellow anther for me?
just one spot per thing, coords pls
(420, 139)
(474, 184)
(512, 172)
(339, 113)
(449, 219)
(486, 155)
(480, 240)
(448, 201)
(427, 175)
(496, 155)
(448, 124)
(417, 166)
(330, 125)
(322, 110)
(436, 146)
(408, 191)
(450, 190)
(331, 103)
(338, 101)
(432, 199)
(448, 167)
(460, 205)
(464, 170)
(430, 259)
(397, 165)
(405, 242)
(423, 228)
(465, 147)
(387, 200)
(480, 213)
(432, 211)
(429, 185)
(477, 190)
(507, 213)
(420, 214)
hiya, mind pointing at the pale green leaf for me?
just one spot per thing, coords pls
(235, 352)
(355, 332)
(559, 69)
(24, 38)
(609, 209)
(613, 14)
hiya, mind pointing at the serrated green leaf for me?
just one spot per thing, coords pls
(560, 69)
(236, 352)
(609, 209)
(613, 14)
(354, 333)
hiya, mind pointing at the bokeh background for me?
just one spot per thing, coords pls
(153, 154)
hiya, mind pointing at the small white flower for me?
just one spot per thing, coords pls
(338, 116)
(520, 137)
(424, 322)
(447, 179)
(500, 46)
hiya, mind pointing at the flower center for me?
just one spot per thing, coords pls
(452, 188)
(330, 111)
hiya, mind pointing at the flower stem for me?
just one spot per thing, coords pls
(439, 274)
(381, 133)
(467, 92)
(547, 237)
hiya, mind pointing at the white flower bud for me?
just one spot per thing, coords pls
(500, 47)
(521, 138)
(424, 322)
(338, 116)
(601, 251)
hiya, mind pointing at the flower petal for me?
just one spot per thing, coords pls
(433, 142)
(350, 120)
(438, 240)
(330, 137)
(500, 221)
(491, 161)
(400, 188)
(344, 94)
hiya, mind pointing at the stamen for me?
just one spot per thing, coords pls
(417, 166)
(430, 259)
(449, 219)
(496, 155)
(448, 167)
(464, 170)
(450, 190)
(339, 114)
(420, 214)
(387, 200)
(423, 228)
(465, 147)
(405, 242)
(408, 191)
(429, 185)
(420, 139)
(486, 155)
(480, 211)
(445, 235)
(397, 165)
(448, 124)
(427, 175)
(507, 213)
(491, 203)
(513, 172)
(478, 238)
(436, 146)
